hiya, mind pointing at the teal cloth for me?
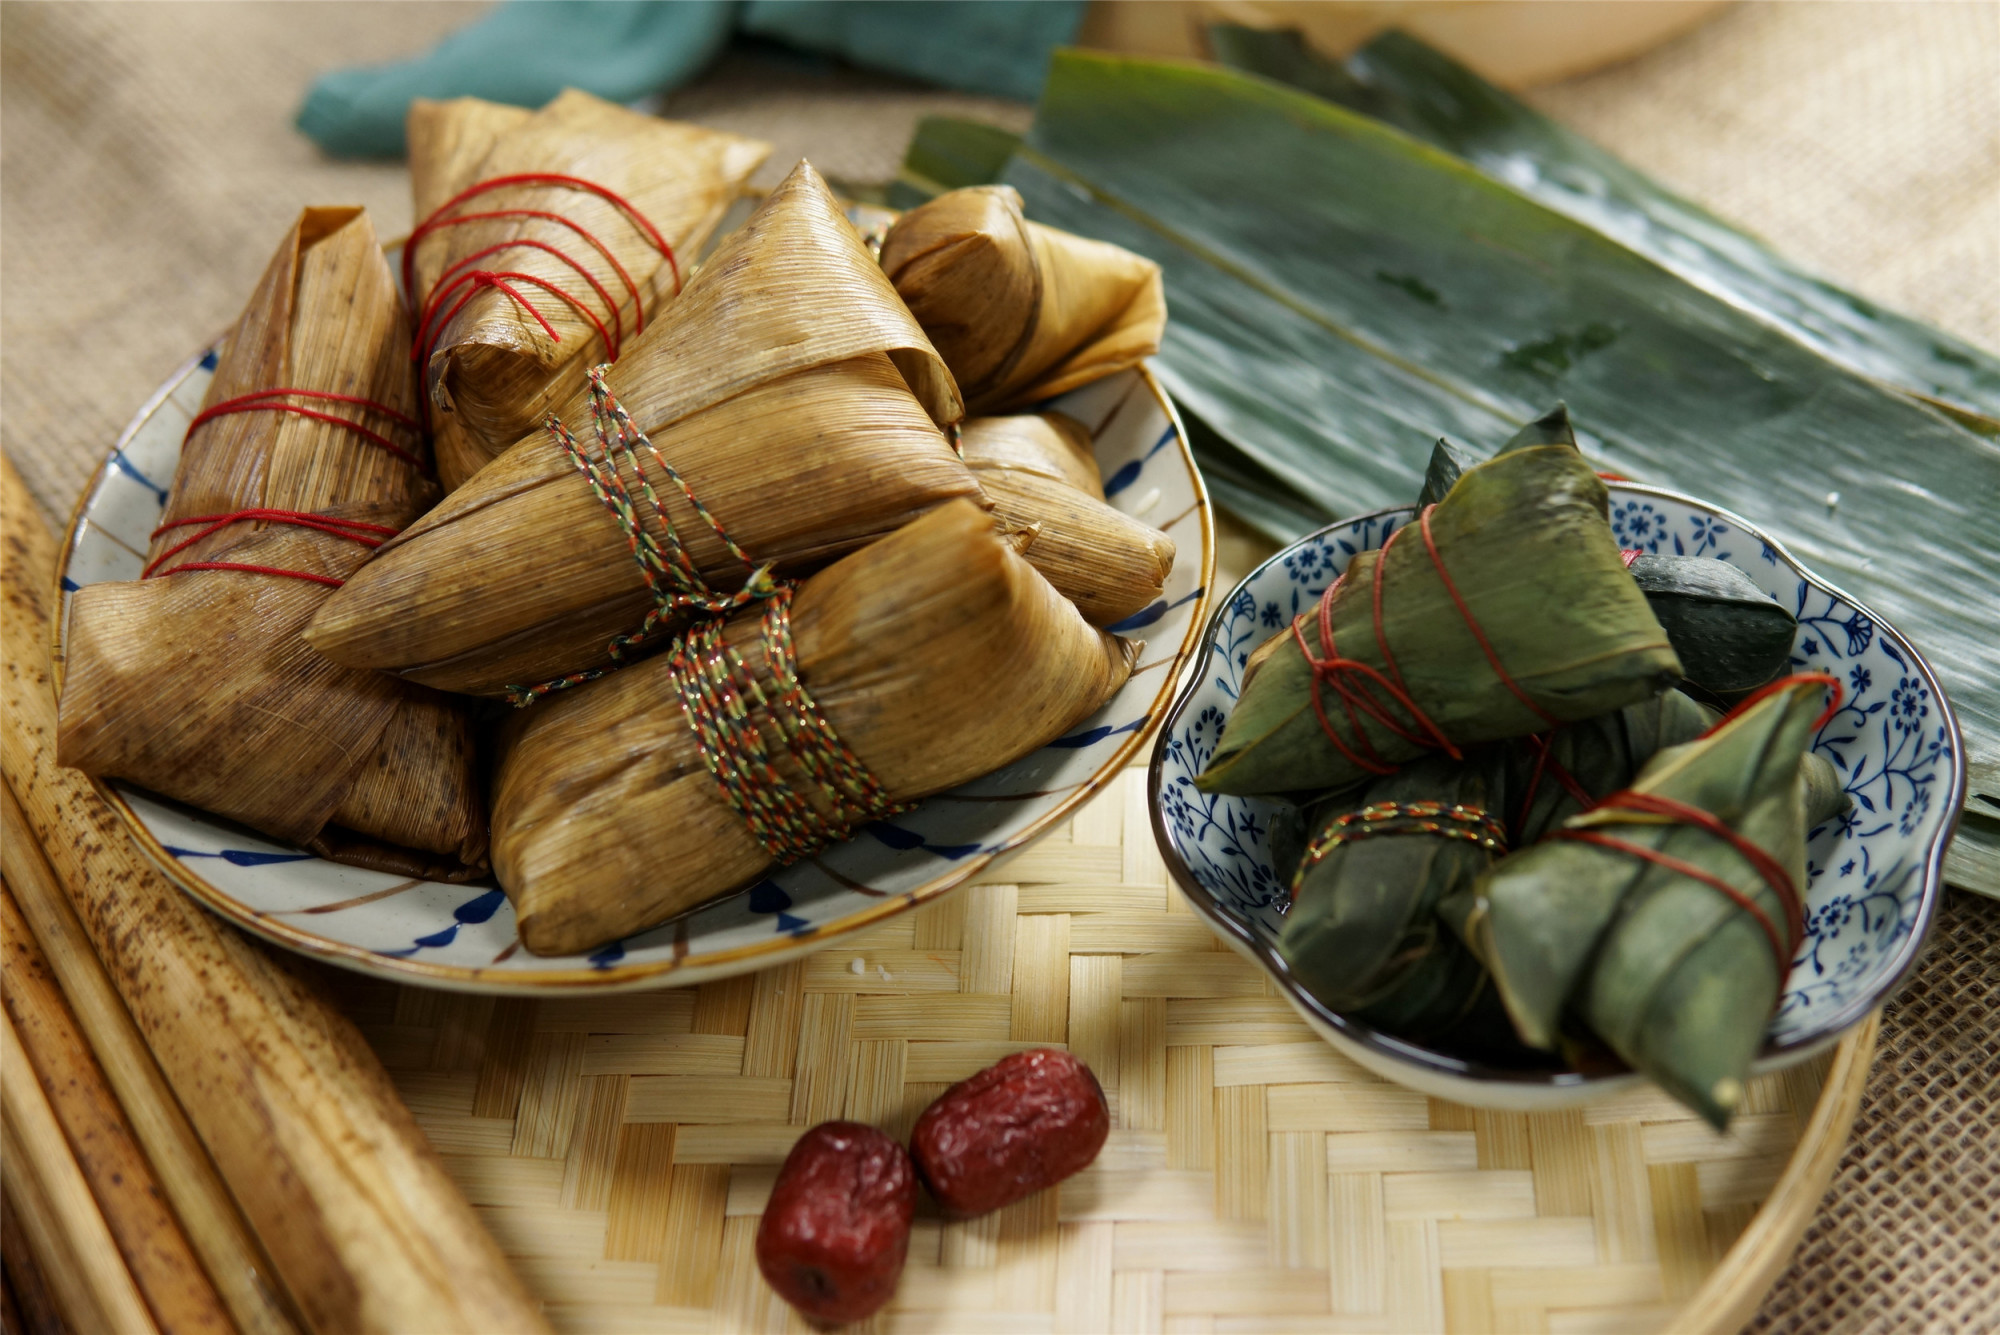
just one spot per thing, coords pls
(527, 51)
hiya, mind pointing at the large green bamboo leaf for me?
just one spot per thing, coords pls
(1342, 294)
(1398, 79)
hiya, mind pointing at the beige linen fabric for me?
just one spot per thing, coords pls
(148, 165)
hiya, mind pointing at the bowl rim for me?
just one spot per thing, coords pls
(681, 968)
(1378, 1042)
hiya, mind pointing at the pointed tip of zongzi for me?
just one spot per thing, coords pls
(1447, 462)
(1551, 428)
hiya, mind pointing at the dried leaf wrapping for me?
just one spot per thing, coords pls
(790, 388)
(1672, 973)
(1038, 473)
(1021, 312)
(940, 631)
(1525, 540)
(199, 684)
(493, 371)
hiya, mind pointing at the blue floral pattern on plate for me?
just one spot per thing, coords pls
(463, 936)
(1874, 873)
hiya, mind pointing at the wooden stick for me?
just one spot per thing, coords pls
(134, 1208)
(235, 1263)
(362, 1225)
(65, 1231)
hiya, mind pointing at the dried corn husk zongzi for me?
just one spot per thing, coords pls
(519, 287)
(1039, 473)
(935, 655)
(1021, 312)
(1666, 916)
(196, 682)
(1508, 611)
(793, 397)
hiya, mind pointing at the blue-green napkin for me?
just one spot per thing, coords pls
(527, 51)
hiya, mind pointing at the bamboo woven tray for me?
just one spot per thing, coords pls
(621, 1148)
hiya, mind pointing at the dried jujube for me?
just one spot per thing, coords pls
(837, 1227)
(1022, 1124)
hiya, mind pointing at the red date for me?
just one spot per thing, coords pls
(1024, 1123)
(837, 1227)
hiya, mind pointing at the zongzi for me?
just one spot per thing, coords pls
(1667, 914)
(1021, 312)
(1730, 635)
(547, 242)
(926, 659)
(784, 411)
(194, 680)
(1507, 611)
(1363, 929)
(1038, 471)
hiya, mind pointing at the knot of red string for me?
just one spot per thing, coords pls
(1365, 691)
(464, 278)
(349, 530)
(277, 401)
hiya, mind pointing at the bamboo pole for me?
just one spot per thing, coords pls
(33, 1306)
(134, 1208)
(65, 1230)
(230, 1255)
(363, 1227)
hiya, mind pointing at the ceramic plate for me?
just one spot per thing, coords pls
(463, 936)
(1875, 874)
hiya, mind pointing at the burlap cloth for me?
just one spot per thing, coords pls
(147, 164)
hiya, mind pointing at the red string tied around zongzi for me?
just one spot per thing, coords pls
(1767, 867)
(348, 530)
(1353, 680)
(276, 401)
(466, 281)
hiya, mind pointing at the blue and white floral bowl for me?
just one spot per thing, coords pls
(1875, 875)
(463, 937)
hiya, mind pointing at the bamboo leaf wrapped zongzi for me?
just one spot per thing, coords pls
(195, 680)
(1667, 915)
(784, 411)
(1508, 610)
(1021, 312)
(546, 241)
(915, 664)
(1039, 473)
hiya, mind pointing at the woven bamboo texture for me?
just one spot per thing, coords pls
(621, 1148)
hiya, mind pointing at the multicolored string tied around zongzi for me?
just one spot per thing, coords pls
(464, 279)
(1345, 675)
(718, 691)
(276, 401)
(1441, 820)
(671, 575)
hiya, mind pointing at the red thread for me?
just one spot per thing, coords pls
(1355, 696)
(1629, 555)
(327, 580)
(1765, 865)
(1545, 759)
(472, 280)
(272, 400)
(1770, 689)
(1614, 477)
(350, 530)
